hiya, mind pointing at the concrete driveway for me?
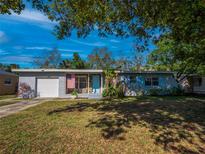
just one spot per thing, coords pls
(14, 108)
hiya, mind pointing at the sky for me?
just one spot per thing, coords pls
(30, 34)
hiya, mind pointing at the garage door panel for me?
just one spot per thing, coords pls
(47, 87)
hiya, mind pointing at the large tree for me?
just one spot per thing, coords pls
(50, 59)
(101, 58)
(75, 63)
(9, 6)
(167, 58)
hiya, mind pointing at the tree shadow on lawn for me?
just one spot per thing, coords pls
(170, 121)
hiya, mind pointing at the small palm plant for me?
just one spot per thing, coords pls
(74, 94)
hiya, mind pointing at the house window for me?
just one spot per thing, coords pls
(132, 79)
(151, 81)
(81, 83)
(155, 81)
(148, 81)
(198, 82)
(7, 81)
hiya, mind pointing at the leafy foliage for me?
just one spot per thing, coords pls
(75, 63)
(182, 58)
(101, 58)
(8, 67)
(182, 22)
(74, 93)
(7, 6)
(113, 88)
(65, 64)
(109, 92)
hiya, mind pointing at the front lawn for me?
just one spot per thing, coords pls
(131, 125)
(9, 99)
(2, 97)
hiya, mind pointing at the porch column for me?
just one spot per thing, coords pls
(101, 85)
(88, 83)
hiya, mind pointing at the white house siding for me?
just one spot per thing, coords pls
(62, 86)
(31, 80)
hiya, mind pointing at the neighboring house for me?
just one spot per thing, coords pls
(88, 82)
(198, 84)
(193, 84)
(8, 83)
(140, 83)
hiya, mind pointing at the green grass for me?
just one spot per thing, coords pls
(9, 99)
(9, 102)
(2, 97)
(130, 125)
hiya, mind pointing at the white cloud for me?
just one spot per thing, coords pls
(38, 48)
(95, 44)
(69, 50)
(32, 15)
(3, 37)
(17, 59)
(2, 52)
(49, 48)
(114, 47)
(66, 55)
(114, 41)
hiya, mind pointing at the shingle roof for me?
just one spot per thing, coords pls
(2, 72)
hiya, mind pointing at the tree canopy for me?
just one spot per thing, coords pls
(101, 58)
(8, 67)
(75, 63)
(167, 58)
(9, 6)
(50, 59)
(182, 21)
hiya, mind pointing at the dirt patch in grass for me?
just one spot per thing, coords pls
(130, 125)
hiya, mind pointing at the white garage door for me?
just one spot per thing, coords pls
(47, 87)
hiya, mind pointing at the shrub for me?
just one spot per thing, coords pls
(120, 91)
(25, 91)
(114, 92)
(176, 91)
(109, 92)
(140, 92)
(74, 93)
(155, 91)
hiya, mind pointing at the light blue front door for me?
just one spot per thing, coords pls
(96, 84)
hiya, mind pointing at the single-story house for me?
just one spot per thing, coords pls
(8, 83)
(89, 83)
